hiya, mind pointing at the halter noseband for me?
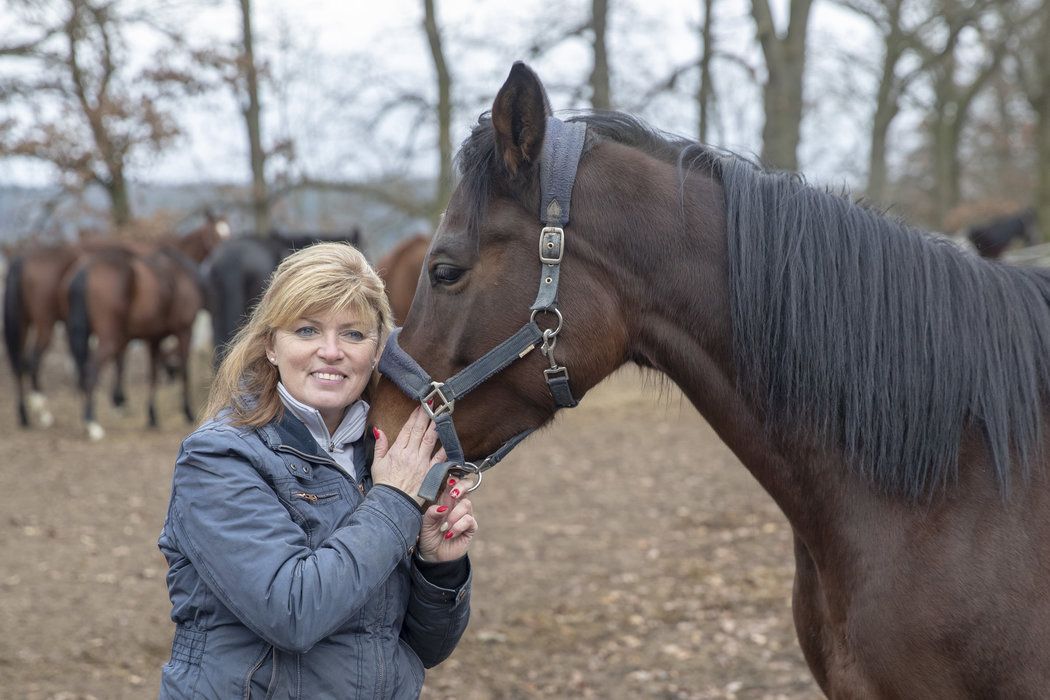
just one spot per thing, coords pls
(562, 147)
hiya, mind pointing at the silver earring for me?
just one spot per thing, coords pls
(273, 360)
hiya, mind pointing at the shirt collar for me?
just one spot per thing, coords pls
(350, 429)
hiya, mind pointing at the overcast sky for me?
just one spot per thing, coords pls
(338, 61)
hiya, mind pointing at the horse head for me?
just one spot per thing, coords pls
(481, 274)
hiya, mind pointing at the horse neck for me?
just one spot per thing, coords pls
(675, 305)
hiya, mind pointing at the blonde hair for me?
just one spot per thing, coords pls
(320, 278)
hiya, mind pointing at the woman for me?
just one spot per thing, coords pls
(301, 566)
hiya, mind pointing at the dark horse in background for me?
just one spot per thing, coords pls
(993, 238)
(33, 303)
(236, 273)
(400, 270)
(887, 390)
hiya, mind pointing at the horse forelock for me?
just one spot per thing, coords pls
(883, 340)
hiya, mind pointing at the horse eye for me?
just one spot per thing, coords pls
(446, 274)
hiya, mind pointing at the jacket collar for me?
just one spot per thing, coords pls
(289, 431)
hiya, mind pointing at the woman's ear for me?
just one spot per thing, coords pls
(271, 351)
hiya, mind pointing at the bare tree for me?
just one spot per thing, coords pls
(599, 81)
(1034, 73)
(953, 96)
(252, 110)
(444, 109)
(90, 114)
(785, 58)
(705, 90)
(601, 94)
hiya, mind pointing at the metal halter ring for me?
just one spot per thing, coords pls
(551, 310)
(468, 468)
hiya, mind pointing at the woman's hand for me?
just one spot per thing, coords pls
(405, 463)
(448, 527)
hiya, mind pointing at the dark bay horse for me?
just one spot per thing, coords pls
(400, 270)
(237, 271)
(993, 238)
(887, 390)
(32, 304)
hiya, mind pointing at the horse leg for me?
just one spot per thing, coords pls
(119, 397)
(20, 400)
(37, 400)
(154, 370)
(107, 349)
(20, 369)
(183, 351)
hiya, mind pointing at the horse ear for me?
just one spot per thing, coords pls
(519, 118)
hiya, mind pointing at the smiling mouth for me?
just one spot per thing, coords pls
(329, 377)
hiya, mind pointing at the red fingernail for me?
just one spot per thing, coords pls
(448, 535)
(375, 432)
(430, 402)
(442, 509)
(451, 482)
(455, 493)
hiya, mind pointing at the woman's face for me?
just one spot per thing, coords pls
(325, 360)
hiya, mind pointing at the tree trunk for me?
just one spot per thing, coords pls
(1040, 100)
(444, 110)
(1042, 192)
(601, 96)
(120, 201)
(252, 112)
(705, 92)
(953, 102)
(887, 106)
(782, 94)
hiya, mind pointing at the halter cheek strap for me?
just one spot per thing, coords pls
(562, 147)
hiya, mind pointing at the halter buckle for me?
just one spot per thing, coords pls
(435, 403)
(552, 245)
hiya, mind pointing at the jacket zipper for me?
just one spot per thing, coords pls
(308, 458)
(314, 497)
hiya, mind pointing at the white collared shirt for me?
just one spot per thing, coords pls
(338, 445)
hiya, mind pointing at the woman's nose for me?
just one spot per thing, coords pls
(330, 347)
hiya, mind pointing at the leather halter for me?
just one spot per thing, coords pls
(562, 147)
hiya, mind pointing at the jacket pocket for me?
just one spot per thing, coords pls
(319, 508)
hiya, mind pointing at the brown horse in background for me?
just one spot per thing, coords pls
(890, 392)
(33, 302)
(400, 270)
(118, 296)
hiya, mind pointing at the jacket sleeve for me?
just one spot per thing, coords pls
(436, 617)
(241, 540)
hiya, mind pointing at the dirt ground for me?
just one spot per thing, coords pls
(623, 553)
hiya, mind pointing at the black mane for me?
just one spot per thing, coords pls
(884, 341)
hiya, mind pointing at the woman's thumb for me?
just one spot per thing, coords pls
(382, 444)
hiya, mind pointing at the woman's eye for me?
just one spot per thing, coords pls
(446, 274)
(355, 336)
(305, 331)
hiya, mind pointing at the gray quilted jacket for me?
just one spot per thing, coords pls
(289, 580)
